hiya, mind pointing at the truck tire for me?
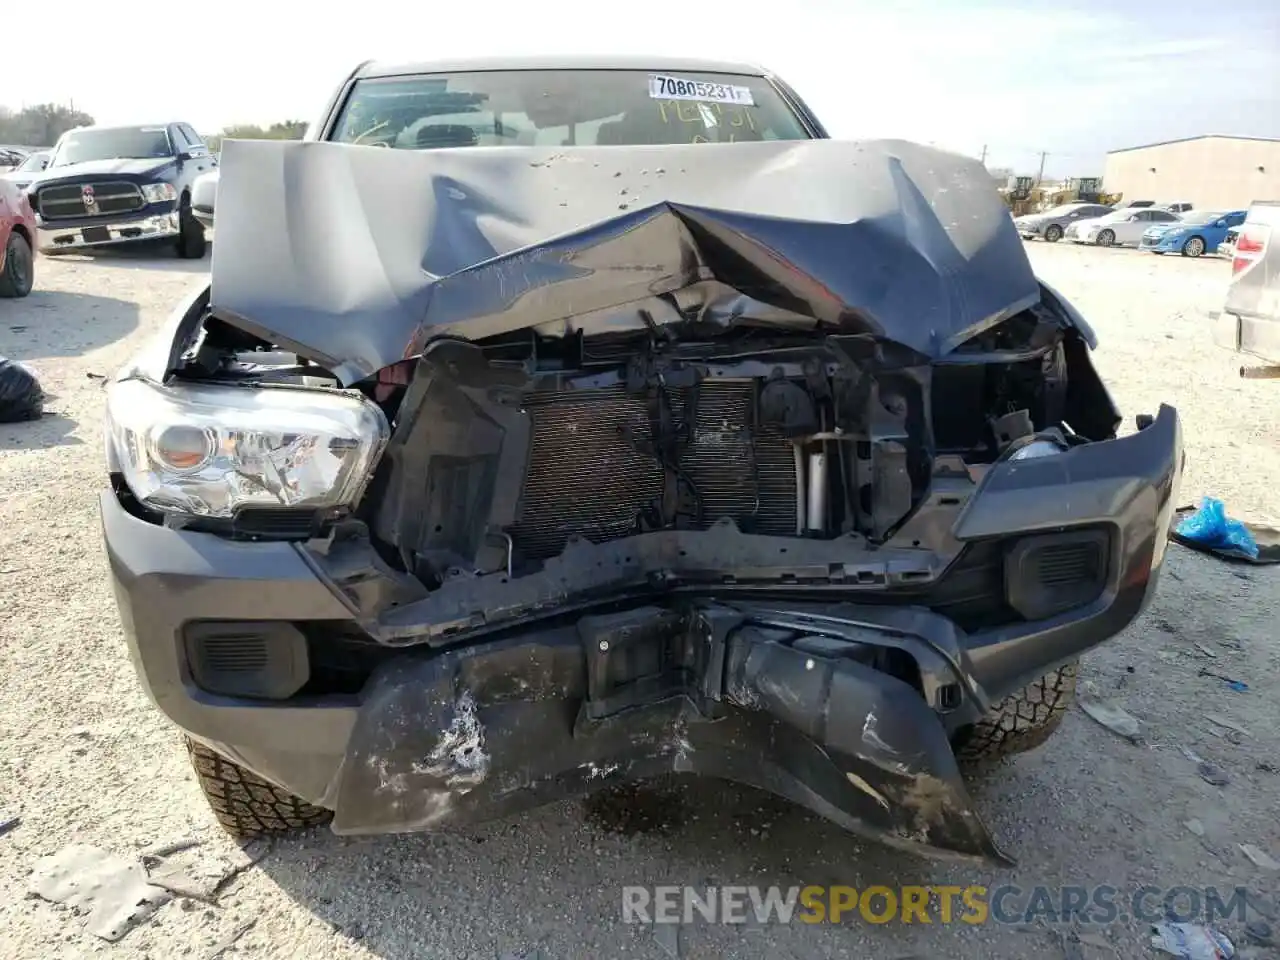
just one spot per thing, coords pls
(1021, 721)
(18, 274)
(245, 804)
(191, 239)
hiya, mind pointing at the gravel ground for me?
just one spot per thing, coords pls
(85, 758)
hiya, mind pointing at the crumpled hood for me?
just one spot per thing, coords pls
(359, 256)
(141, 167)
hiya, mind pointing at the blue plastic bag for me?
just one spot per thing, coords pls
(1211, 527)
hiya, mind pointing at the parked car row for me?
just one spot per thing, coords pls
(1157, 229)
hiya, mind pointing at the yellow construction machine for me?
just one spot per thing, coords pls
(1089, 190)
(1022, 195)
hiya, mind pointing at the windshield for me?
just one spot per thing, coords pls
(112, 143)
(33, 164)
(1063, 209)
(1202, 217)
(563, 108)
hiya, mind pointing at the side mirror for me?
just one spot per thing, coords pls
(204, 191)
(185, 155)
(1220, 223)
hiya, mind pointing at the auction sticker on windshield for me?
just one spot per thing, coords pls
(663, 87)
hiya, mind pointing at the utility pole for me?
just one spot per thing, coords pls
(983, 161)
(1040, 172)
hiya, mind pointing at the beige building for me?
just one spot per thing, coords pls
(1211, 172)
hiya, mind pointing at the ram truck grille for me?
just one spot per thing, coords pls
(67, 201)
(592, 472)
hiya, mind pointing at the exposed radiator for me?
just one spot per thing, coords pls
(586, 476)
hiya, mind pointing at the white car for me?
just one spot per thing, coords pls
(28, 170)
(1121, 227)
(1227, 248)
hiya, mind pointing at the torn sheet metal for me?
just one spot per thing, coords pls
(357, 256)
(113, 891)
(861, 748)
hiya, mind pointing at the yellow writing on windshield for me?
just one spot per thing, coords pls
(687, 112)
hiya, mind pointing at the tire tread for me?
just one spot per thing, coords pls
(246, 805)
(192, 244)
(1021, 721)
(9, 289)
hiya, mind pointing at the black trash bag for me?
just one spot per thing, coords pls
(20, 395)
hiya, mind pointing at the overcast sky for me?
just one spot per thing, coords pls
(1073, 77)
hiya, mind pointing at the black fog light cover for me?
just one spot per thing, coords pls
(1051, 573)
(256, 660)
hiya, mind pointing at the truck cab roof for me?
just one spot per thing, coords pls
(373, 68)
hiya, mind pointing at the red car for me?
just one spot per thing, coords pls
(17, 233)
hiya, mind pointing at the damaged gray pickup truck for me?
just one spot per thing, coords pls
(550, 424)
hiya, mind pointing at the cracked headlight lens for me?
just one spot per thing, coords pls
(210, 450)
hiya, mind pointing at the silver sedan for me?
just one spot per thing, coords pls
(1123, 227)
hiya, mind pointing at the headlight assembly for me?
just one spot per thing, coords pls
(1036, 449)
(159, 192)
(211, 450)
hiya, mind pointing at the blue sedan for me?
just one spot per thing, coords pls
(1198, 232)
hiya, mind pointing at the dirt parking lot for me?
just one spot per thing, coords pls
(85, 758)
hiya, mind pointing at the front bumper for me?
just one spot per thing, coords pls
(847, 708)
(1162, 244)
(152, 223)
